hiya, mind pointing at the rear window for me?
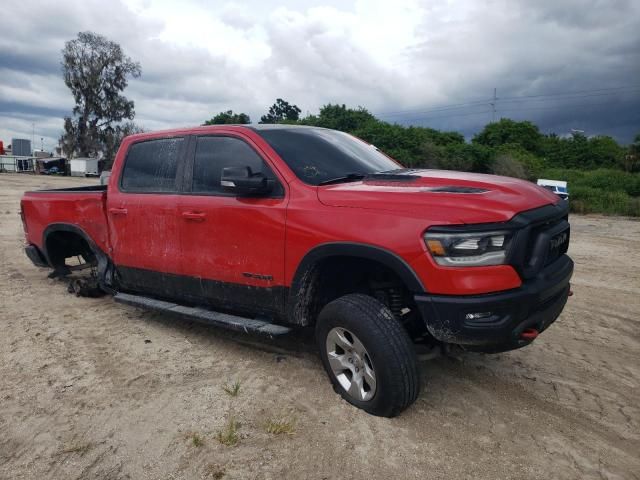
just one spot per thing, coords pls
(152, 166)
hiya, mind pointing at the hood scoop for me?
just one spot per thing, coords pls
(411, 175)
(454, 189)
(390, 177)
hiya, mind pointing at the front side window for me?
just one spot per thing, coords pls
(317, 155)
(215, 153)
(151, 166)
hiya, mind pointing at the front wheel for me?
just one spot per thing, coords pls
(367, 355)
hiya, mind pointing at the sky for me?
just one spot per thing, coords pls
(564, 64)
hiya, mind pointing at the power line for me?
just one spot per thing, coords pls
(436, 109)
(527, 109)
(612, 89)
(566, 98)
(521, 98)
(501, 110)
(462, 114)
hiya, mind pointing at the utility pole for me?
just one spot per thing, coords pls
(493, 105)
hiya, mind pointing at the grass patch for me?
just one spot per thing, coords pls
(232, 388)
(281, 426)
(196, 439)
(229, 434)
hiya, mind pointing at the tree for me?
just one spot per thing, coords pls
(228, 117)
(281, 111)
(339, 117)
(604, 151)
(525, 134)
(96, 71)
(112, 138)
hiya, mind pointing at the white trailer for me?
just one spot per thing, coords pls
(84, 167)
(558, 187)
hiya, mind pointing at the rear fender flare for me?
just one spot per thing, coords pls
(104, 262)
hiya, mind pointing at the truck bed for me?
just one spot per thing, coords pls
(83, 208)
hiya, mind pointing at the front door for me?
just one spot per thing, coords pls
(143, 215)
(233, 246)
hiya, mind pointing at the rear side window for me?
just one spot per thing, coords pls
(151, 166)
(215, 153)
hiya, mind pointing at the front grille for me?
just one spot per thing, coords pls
(534, 234)
(542, 238)
(558, 245)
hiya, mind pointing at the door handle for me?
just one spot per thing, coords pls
(118, 211)
(194, 216)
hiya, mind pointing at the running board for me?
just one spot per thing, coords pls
(203, 315)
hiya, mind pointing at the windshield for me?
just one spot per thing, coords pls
(317, 155)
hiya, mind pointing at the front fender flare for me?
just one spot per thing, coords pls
(301, 279)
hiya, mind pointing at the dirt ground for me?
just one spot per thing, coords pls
(93, 389)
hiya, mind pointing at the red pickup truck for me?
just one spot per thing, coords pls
(270, 227)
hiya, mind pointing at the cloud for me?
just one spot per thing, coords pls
(408, 56)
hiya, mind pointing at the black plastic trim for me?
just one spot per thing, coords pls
(36, 256)
(536, 304)
(87, 189)
(223, 296)
(103, 259)
(360, 250)
(206, 316)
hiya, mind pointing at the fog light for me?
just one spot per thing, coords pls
(477, 315)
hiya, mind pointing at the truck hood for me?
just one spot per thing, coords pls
(441, 196)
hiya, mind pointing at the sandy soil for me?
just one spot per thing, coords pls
(92, 389)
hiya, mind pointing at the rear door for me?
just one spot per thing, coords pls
(143, 216)
(233, 246)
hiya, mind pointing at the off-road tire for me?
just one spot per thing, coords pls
(387, 344)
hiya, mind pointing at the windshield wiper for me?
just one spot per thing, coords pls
(349, 177)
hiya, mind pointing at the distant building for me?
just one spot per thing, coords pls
(21, 147)
(16, 164)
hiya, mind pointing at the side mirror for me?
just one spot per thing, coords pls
(241, 181)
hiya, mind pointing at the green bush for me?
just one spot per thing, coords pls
(600, 191)
(614, 180)
(594, 200)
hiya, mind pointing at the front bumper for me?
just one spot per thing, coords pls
(536, 304)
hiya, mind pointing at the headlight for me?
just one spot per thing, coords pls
(468, 249)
